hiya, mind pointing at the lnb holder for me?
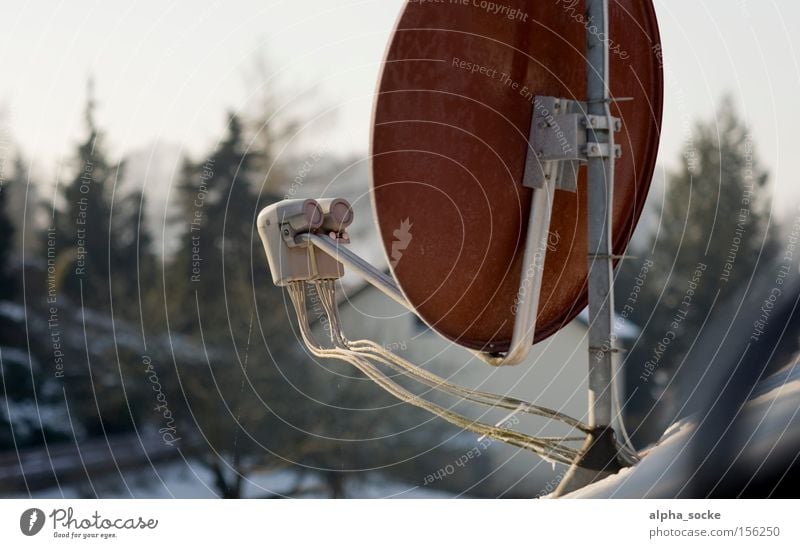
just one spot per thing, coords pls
(559, 142)
(293, 259)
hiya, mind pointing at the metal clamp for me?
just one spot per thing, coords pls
(602, 150)
(596, 122)
(559, 144)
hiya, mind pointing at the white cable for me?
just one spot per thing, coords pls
(326, 292)
(551, 449)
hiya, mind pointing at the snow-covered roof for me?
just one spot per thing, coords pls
(771, 424)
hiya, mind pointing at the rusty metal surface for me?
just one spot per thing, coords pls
(451, 122)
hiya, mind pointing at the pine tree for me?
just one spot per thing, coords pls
(82, 220)
(714, 234)
(217, 207)
(211, 291)
(7, 284)
(134, 267)
(101, 230)
(716, 211)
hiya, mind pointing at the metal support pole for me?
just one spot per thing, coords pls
(600, 455)
(600, 203)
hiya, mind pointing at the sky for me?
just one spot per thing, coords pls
(166, 72)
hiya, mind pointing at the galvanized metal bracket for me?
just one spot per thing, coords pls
(558, 143)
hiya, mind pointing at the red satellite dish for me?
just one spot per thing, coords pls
(450, 139)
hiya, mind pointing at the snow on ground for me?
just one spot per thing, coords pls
(190, 480)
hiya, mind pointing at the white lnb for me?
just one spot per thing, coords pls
(290, 260)
(300, 215)
(338, 215)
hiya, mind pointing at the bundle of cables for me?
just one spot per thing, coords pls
(367, 356)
